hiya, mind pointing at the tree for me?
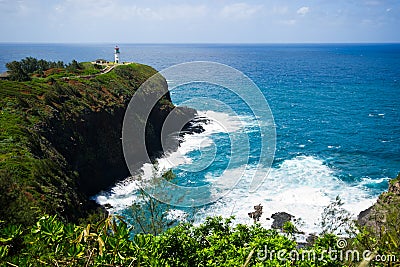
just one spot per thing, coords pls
(150, 215)
(21, 70)
(74, 66)
(29, 65)
(17, 72)
(336, 220)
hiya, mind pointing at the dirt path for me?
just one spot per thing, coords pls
(106, 70)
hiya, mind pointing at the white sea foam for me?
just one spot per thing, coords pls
(301, 186)
(124, 193)
(121, 196)
(218, 122)
(376, 115)
(366, 181)
(175, 214)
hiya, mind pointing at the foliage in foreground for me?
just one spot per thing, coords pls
(216, 242)
(109, 243)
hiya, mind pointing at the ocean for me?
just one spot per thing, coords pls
(336, 113)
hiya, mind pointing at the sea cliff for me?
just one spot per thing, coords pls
(60, 139)
(385, 210)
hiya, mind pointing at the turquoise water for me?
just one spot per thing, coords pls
(336, 109)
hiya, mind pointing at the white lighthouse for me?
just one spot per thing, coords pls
(116, 55)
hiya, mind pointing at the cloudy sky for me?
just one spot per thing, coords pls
(200, 21)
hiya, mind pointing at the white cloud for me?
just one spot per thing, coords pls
(367, 22)
(182, 12)
(87, 8)
(372, 3)
(280, 10)
(302, 11)
(197, 21)
(288, 22)
(19, 7)
(163, 12)
(127, 11)
(239, 10)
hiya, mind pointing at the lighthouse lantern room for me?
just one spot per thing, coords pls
(116, 55)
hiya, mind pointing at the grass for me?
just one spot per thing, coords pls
(34, 176)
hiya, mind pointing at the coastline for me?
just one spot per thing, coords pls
(70, 130)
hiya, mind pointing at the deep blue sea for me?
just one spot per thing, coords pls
(336, 108)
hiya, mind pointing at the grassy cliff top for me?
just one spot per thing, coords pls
(35, 177)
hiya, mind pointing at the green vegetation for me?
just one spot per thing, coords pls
(149, 215)
(59, 134)
(380, 234)
(50, 142)
(29, 68)
(111, 241)
(22, 70)
(108, 243)
(217, 242)
(337, 220)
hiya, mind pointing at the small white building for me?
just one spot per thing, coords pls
(116, 55)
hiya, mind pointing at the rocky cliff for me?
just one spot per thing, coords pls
(385, 210)
(61, 139)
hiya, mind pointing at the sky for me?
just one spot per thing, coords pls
(200, 21)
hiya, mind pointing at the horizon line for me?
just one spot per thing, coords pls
(196, 43)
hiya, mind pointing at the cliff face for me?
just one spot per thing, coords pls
(90, 144)
(64, 144)
(381, 212)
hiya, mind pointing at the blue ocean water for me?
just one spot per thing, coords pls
(336, 109)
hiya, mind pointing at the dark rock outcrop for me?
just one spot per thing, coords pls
(256, 214)
(280, 218)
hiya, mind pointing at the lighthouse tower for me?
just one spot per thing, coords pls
(116, 55)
